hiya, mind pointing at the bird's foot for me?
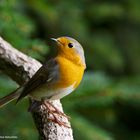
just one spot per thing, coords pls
(58, 111)
(56, 120)
(53, 111)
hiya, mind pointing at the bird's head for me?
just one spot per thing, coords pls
(71, 49)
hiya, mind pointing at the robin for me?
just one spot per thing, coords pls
(56, 78)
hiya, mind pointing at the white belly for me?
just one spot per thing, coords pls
(52, 94)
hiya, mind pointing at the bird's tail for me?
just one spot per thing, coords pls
(10, 97)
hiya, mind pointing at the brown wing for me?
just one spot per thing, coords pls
(47, 73)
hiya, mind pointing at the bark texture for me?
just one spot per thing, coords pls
(21, 68)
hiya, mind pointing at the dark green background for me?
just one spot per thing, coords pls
(106, 106)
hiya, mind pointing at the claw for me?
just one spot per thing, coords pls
(56, 120)
(58, 111)
(53, 112)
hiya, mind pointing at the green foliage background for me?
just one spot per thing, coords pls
(106, 106)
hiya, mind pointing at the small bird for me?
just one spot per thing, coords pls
(56, 78)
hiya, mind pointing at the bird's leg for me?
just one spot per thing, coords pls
(55, 118)
(34, 105)
(58, 111)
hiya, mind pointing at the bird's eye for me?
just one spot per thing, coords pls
(70, 45)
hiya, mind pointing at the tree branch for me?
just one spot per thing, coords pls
(21, 68)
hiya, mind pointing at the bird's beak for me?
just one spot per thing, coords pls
(56, 40)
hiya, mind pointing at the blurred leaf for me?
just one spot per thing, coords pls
(88, 131)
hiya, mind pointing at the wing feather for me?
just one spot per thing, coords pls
(48, 73)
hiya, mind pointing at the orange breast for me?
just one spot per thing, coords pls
(70, 73)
